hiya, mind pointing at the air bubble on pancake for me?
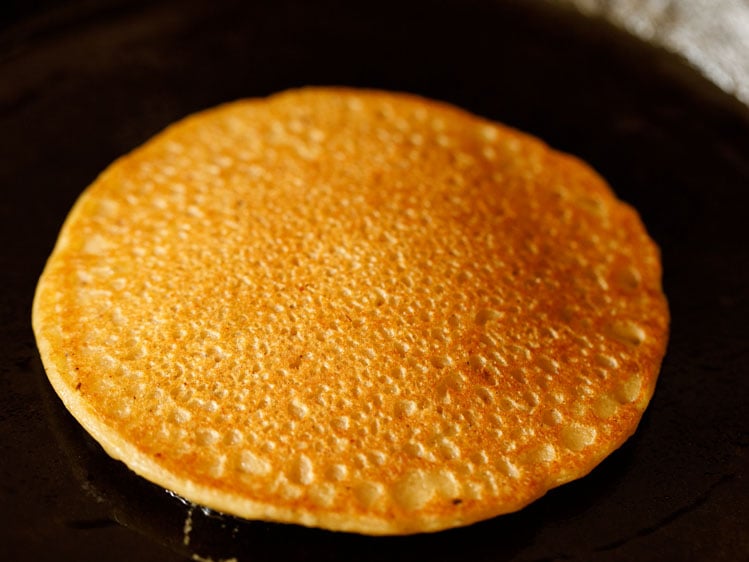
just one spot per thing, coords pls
(473, 491)
(233, 437)
(487, 341)
(628, 277)
(405, 408)
(369, 493)
(543, 453)
(489, 153)
(416, 139)
(182, 394)
(135, 390)
(87, 297)
(519, 351)
(380, 297)
(402, 347)
(469, 415)
(340, 423)
(628, 332)
(298, 409)
(251, 463)
(445, 483)
(581, 341)
(489, 133)
(479, 457)
(286, 489)
(521, 433)
(552, 417)
(453, 381)
(606, 361)
(354, 103)
(217, 466)
(497, 359)
(576, 436)
(604, 407)
(401, 124)
(106, 363)
(519, 375)
(438, 124)
(441, 361)
(85, 276)
(549, 365)
(337, 472)
(507, 468)
(302, 470)
(414, 490)
(507, 404)
(489, 480)
(96, 244)
(316, 135)
(485, 395)
(438, 335)
(107, 208)
(181, 415)
(477, 361)
(123, 410)
(207, 437)
(591, 204)
(415, 449)
(463, 161)
(323, 495)
(443, 140)
(452, 429)
(485, 315)
(360, 459)
(629, 389)
(378, 458)
(448, 449)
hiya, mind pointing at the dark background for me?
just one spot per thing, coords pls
(83, 82)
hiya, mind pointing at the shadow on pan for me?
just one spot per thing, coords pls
(115, 72)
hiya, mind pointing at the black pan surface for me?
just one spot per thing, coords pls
(84, 82)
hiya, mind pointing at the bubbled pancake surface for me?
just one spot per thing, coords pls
(356, 310)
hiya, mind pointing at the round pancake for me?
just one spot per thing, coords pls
(356, 310)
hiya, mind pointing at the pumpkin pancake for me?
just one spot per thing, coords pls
(355, 310)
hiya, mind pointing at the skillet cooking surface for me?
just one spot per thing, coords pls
(84, 83)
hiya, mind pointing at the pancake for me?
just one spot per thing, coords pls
(356, 310)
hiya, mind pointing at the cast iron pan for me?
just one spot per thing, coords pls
(83, 82)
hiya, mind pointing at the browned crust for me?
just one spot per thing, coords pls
(356, 310)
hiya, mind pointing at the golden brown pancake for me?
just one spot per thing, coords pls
(355, 310)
